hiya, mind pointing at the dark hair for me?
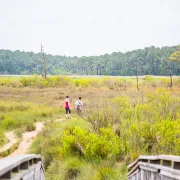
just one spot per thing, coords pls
(67, 96)
(79, 97)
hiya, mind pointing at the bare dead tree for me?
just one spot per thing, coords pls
(44, 75)
(137, 78)
(170, 75)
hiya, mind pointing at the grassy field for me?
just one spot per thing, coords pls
(119, 123)
(86, 81)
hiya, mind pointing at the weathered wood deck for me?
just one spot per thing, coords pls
(22, 167)
(162, 167)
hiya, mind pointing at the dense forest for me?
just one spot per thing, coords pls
(150, 60)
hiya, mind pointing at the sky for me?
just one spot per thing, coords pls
(88, 27)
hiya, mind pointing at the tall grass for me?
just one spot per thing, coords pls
(60, 163)
(3, 138)
(65, 81)
(143, 125)
(118, 123)
(21, 116)
(116, 127)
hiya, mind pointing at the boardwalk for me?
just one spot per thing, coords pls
(160, 167)
(25, 167)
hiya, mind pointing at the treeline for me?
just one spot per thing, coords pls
(150, 60)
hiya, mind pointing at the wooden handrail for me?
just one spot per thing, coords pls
(22, 166)
(156, 166)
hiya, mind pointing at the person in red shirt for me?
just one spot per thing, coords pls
(67, 107)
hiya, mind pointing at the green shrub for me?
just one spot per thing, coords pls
(3, 138)
(52, 81)
(25, 82)
(29, 126)
(100, 118)
(168, 137)
(107, 173)
(56, 171)
(69, 169)
(148, 78)
(165, 82)
(73, 167)
(89, 145)
(81, 82)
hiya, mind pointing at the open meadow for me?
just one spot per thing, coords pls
(118, 124)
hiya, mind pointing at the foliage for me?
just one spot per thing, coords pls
(136, 122)
(107, 173)
(151, 61)
(116, 83)
(91, 146)
(3, 139)
(63, 155)
(52, 81)
(117, 125)
(168, 137)
(175, 56)
(22, 115)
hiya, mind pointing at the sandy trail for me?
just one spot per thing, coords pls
(27, 139)
(12, 140)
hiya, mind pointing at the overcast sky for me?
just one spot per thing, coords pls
(88, 27)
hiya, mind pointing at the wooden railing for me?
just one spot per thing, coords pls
(22, 167)
(162, 167)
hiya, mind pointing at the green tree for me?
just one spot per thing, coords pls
(175, 56)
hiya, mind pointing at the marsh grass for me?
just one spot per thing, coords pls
(3, 139)
(73, 166)
(113, 83)
(21, 116)
(144, 122)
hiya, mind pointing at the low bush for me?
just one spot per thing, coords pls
(148, 78)
(52, 81)
(89, 145)
(107, 173)
(3, 138)
(134, 121)
(117, 84)
(119, 128)
(72, 152)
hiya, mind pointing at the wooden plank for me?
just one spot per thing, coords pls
(170, 158)
(151, 169)
(134, 173)
(134, 169)
(160, 167)
(29, 172)
(133, 164)
(149, 157)
(167, 161)
(142, 173)
(169, 175)
(7, 164)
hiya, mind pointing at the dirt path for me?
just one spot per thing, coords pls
(27, 139)
(12, 140)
